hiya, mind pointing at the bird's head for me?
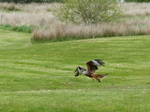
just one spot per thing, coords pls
(79, 70)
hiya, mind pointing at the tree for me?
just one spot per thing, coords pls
(89, 11)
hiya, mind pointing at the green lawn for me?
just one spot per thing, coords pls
(40, 77)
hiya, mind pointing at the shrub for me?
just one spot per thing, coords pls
(137, 0)
(89, 11)
(29, 1)
(9, 7)
(23, 28)
(61, 32)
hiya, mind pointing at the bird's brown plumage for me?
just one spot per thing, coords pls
(92, 66)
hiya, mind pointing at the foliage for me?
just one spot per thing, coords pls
(23, 28)
(137, 0)
(9, 8)
(89, 11)
(61, 32)
(40, 78)
(29, 1)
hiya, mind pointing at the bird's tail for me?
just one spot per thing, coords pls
(99, 77)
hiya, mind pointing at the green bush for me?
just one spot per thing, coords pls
(29, 1)
(23, 28)
(137, 0)
(89, 11)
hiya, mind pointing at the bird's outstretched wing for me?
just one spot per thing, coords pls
(92, 65)
(79, 70)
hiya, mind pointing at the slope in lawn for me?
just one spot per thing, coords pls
(40, 77)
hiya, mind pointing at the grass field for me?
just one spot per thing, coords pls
(40, 78)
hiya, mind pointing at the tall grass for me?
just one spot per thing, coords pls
(69, 31)
(8, 7)
(133, 9)
(136, 22)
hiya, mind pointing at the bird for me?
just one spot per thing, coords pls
(92, 66)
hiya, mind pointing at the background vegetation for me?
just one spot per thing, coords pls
(23, 28)
(40, 78)
(40, 1)
(89, 12)
(29, 1)
(46, 27)
(137, 0)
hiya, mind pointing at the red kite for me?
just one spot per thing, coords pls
(90, 71)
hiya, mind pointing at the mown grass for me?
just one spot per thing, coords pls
(40, 78)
